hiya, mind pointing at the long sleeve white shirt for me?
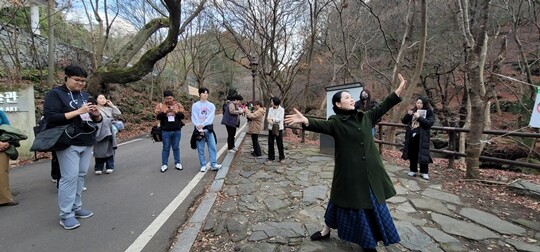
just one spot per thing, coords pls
(277, 115)
(203, 113)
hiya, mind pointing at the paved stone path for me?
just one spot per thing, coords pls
(277, 206)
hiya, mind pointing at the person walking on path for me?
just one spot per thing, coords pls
(202, 117)
(366, 103)
(360, 184)
(106, 145)
(417, 137)
(170, 114)
(231, 120)
(276, 114)
(68, 105)
(256, 118)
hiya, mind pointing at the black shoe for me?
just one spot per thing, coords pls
(11, 203)
(369, 250)
(317, 236)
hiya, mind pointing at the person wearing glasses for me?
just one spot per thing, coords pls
(69, 105)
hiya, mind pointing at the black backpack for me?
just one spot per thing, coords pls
(156, 133)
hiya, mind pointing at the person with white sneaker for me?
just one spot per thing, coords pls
(105, 148)
(417, 137)
(69, 105)
(170, 114)
(202, 117)
(231, 119)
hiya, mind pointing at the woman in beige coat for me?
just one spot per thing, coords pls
(256, 118)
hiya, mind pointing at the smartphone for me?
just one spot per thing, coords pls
(91, 100)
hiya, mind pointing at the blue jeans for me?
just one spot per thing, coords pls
(74, 162)
(170, 138)
(208, 138)
(108, 162)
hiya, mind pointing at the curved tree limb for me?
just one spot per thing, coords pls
(115, 72)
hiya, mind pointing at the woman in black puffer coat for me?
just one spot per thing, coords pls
(417, 137)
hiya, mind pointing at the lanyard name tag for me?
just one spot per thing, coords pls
(170, 118)
(85, 117)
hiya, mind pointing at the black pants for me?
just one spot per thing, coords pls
(414, 149)
(256, 146)
(231, 131)
(271, 151)
(55, 168)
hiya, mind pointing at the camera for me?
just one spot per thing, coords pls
(169, 107)
(91, 100)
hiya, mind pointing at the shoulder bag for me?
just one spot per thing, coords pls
(155, 132)
(117, 125)
(48, 139)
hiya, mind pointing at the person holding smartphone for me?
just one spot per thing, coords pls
(170, 114)
(69, 105)
(104, 149)
(419, 121)
(231, 120)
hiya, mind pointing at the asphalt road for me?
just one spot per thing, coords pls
(136, 207)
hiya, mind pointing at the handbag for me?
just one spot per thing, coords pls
(48, 139)
(275, 129)
(155, 132)
(119, 125)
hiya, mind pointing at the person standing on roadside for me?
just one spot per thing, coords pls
(203, 113)
(6, 199)
(360, 184)
(104, 149)
(170, 114)
(366, 103)
(69, 105)
(417, 137)
(276, 113)
(256, 118)
(231, 120)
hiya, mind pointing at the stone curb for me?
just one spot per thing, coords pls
(184, 240)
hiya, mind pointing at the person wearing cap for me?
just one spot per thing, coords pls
(170, 113)
(231, 119)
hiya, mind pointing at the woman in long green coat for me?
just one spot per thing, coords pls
(360, 184)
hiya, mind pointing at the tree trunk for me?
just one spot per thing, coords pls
(477, 93)
(50, 55)
(397, 112)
